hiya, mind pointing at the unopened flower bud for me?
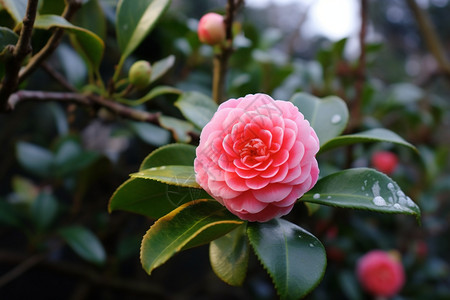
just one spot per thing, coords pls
(211, 29)
(140, 74)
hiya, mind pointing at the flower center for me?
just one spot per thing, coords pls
(254, 152)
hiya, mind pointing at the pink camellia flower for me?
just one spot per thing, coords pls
(380, 273)
(257, 157)
(211, 29)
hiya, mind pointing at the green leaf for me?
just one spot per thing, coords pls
(293, 257)
(192, 224)
(7, 37)
(328, 116)
(91, 17)
(135, 20)
(151, 198)
(362, 188)
(35, 159)
(172, 154)
(179, 128)
(150, 133)
(229, 256)
(84, 243)
(44, 210)
(70, 157)
(372, 135)
(154, 199)
(16, 8)
(197, 108)
(161, 67)
(174, 175)
(88, 43)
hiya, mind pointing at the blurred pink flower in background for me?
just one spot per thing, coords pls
(380, 273)
(257, 157)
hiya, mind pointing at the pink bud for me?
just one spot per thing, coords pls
(211, 29)
(385, 161)
(380, 273)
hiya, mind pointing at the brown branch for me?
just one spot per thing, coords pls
(20, 269)
(16, 55)
(86, 100)
(51, 45)
(220, 61)
(58, 77)
(430, 36)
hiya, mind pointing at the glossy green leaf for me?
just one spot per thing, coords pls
(150, 133)
(362, 188)
(229, 256)
(35, 159)
(84, 243)
(16, 8)
(192, 224)
(160, 67)
(51, 7)
(91, 17)
(44, 210)
(151, 198)
(7, 37)
(179, 128)
(372, 135)
(172, 154)
(328, 116)
(197, 108)
(135, 20)
(88, 43)
(154, 199)
(173, 175)
(293, 257)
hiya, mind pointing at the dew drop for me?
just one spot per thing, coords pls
(379, 201)
(390, 186)
(402, 200)
(316, 196)
(363, 188)
(329, 197)
(311, 245)
(336, 119)
(397, 206)
(409, 202)
(400, 194)
(162, 168)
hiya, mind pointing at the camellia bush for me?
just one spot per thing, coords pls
(228, 165)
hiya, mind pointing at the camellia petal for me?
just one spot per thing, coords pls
(257, 157)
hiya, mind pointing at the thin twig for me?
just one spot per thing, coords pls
(220, 62)
(58, 77)
(21, 269)
(16, 55)
(71, 7)
(430, 36)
